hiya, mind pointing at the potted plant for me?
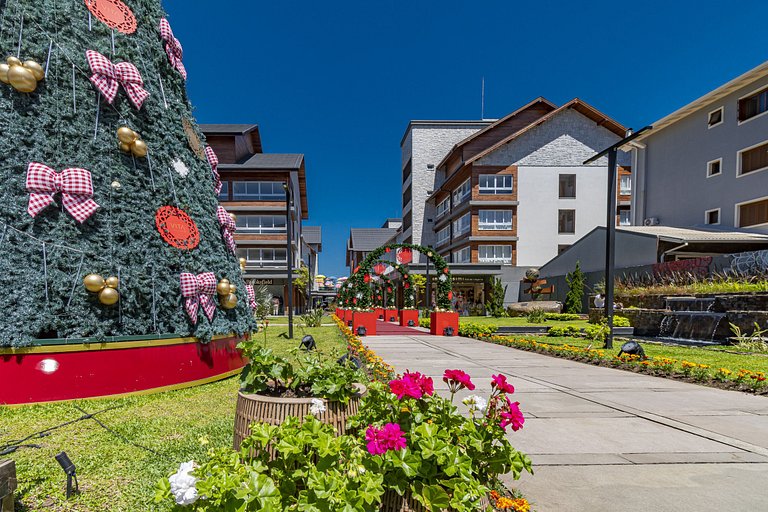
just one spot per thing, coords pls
(272, 389)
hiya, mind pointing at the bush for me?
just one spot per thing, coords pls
(596, 332)
(563, 317)
(537, 316)
(563, 331)
(472, 330)
(424, 322)
(575, 299)
(495, 302)
(621, 321)
(313, 318)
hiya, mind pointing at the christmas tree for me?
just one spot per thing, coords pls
(109, 220)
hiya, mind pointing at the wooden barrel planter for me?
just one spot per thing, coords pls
(393, 502)
(252, 408)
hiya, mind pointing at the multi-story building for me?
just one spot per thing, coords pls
(705, 164)
(254, 188)
(364, 240)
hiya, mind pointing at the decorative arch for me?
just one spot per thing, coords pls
(409, 300)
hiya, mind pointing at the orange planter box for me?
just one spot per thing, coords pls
(409, 314)
(366, 319)
(439, 320)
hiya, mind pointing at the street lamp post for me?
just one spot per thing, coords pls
(289, 256)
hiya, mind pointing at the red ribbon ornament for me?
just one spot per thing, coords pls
(251, 295)
(172, 47)
(227, 227)
(74, 184)
(198, 290)
(213, 161)
(108, 77)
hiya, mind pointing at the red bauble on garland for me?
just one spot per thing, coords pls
(367, 278)
(450, 295)
(177, 228)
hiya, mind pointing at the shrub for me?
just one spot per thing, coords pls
(596, 332)
(564, 317)
(495, 302)
(563, 330)
(313, 318)
(575, 299)
(424, 322)
(621, 321)
(537, 316)
(473, 330)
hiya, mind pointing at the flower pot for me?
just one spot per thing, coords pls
(365, 319)
(379, 313)
(439, 320)
(253, 408)
(409, 314)
(393, 502)
(390, 315)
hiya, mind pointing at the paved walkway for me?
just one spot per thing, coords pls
(394, 329)
(609, 440)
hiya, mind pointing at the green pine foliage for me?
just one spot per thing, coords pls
(57, 126)
(574, 300)
(495, 302)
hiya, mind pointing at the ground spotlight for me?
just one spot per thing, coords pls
(381, 317)
(448, 331)
(362, 331)
(71, 471)
(347, 360)
(308, 343)
(411, 323)
(349, 323)
(391, 319)
(632, 348)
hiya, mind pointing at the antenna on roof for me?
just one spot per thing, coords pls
(482, 99)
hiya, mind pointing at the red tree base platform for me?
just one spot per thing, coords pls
(54, 372)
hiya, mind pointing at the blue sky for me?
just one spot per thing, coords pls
(339, 81)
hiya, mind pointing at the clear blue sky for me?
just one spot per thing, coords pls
(339, 81)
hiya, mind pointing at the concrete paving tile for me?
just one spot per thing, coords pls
(576, 459)
(751, 429)
(691, 399)
(694, 458)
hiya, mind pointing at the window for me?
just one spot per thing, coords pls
(562, 248)
(715, 118)
(443, 206)
(494, 220)
(625, 185)
(263, 224)
(462, 192)
(462, 225)
(712, 216)
(714, 167)
(263, 257)
(258, 191)
(224, 194)
(753, 159)
(444, 235)
(753, 105)
(495, 184)
(567, 185)
(463, 255)
(624, 217)
(495, 253)
(753, 214)
(566, 221)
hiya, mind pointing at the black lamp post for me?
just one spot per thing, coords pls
(610, 227)
(289, 255)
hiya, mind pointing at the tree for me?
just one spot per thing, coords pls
(575, 299)
(419, 283)
(495, 302)
(64, 134)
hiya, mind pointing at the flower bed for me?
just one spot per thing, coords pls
(743, 380)
(376, 367)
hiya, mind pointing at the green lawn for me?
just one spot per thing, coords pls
(115, 475)
(518, 321)
(715, 357)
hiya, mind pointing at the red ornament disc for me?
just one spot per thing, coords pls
(177, 228)
(114, 14)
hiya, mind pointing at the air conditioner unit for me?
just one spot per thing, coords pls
(651, 221)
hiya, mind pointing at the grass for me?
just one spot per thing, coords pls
(114, 474)
(518, 321)
(715, 357)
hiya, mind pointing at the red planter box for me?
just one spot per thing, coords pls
(439, 320)
(338, 312)
(366, 319)
(390, 315)
(409, 314)
(379, 313)
(346, 315)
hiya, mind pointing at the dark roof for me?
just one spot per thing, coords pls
(368, 239)
(228, 129)
(289, 161)
(312, 235)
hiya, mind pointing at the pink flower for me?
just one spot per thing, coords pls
(414, 385)
(512, 416)
(457, 379)
(500, 383)
(381, 440)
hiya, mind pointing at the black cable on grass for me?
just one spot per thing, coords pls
(119, 435)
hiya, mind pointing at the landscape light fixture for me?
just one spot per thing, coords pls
(362, 331)
(632, 348)
(349, 360)
(71, 471)
(391, 319)
(349, 323)
(411, 323)
(308, 343)
(381, 317)
(448, 331)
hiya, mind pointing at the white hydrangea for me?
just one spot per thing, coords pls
(475, 403)
(442, 278)
(317, 407)
(183, 484)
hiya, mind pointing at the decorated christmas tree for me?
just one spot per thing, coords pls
(109, 221)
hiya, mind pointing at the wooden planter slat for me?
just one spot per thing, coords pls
(7, 484)
(393, 502)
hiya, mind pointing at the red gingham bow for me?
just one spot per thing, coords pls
(107, 77)
(227, 227)
(198, 290)
(74, 184)
(172, 47)
(213, 160)
(251, 295)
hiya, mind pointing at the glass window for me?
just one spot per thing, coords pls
(753, 105)
(462, 225)
(566, 221)
(715, 117)
(494, 220)
(567, 185)
(258, 191)
(224, 194)
(443, 206)
(462, 255)
(495, 184)
(263, 257)
(262, 224)
(624, 217)
(753, 214)
(495, 253)
(715, 167)
(754, 159)
(562, 248)
(444, 235)
(713, 216)
(625, 184)
(462, 192)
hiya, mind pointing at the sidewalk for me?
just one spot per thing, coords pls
(609, 440)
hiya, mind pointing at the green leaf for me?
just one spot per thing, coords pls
(435, 497)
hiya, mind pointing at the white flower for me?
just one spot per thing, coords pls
(442, 278)
(183, 484)
(181, 168)
(475, 403)
(317, 407)
(359, 295)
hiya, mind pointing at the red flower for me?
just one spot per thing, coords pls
(445, 270)
(367, 278)
(406, 286)
(500, 383)
(354, 301)
(512, 416)
(414, 385)
(381, 440)
(457, 379)
(450, 295)
(387, 249)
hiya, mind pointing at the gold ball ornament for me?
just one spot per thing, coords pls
(112, 282)
(4, 73)
(232, 288)
(116, 185)
(139, 148)
(222, 288)
(242, 263)
(108, 296)
(94, 283)
(229, 301)
(125, 148)
(13, 61)
(36, 69)
(126, 135)
(233, 217)
(22, 79)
